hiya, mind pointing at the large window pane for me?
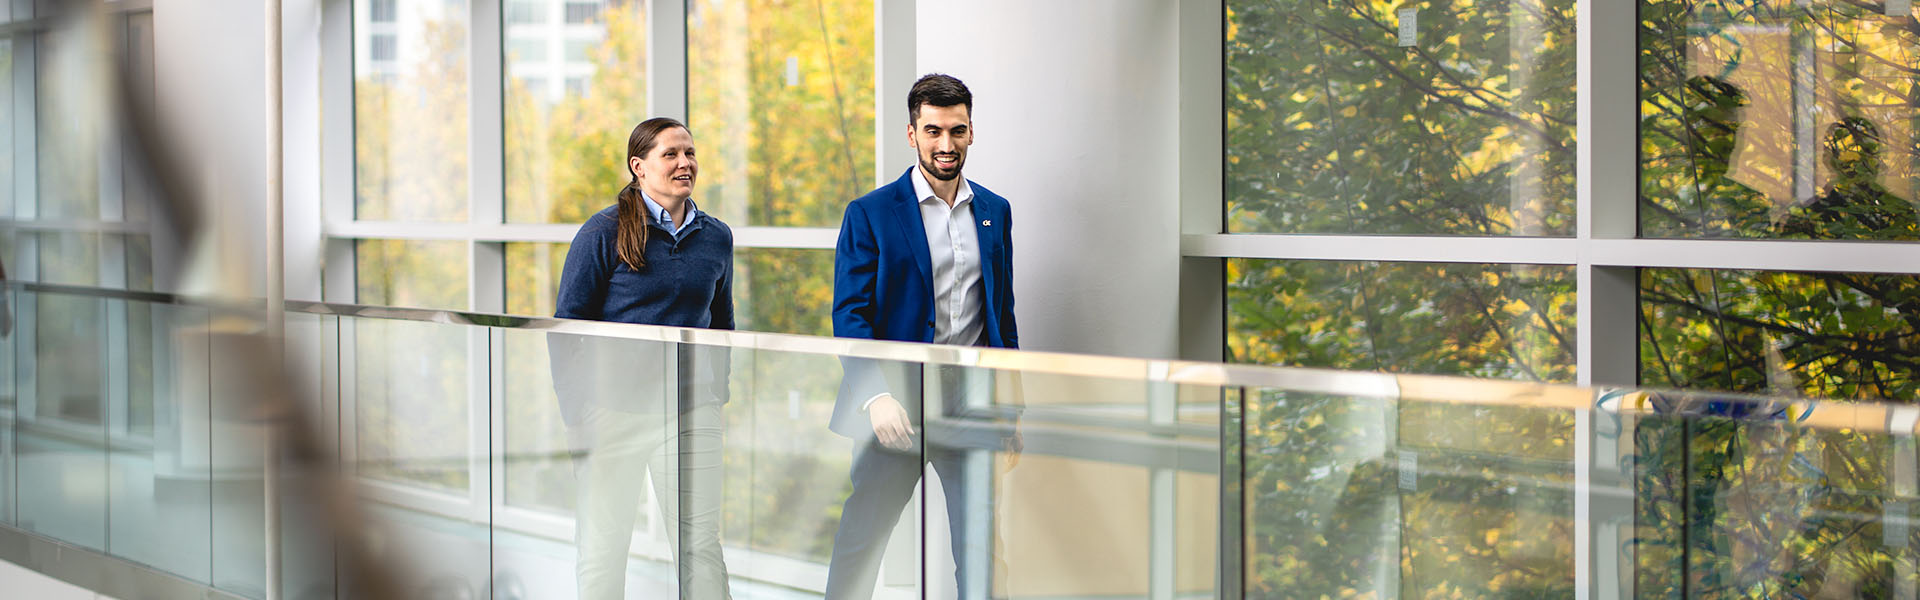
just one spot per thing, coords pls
(410, 273)
(70, 258)
(566, 145)
(1777, 120)
(69, 131)
(410, 112)
(784, 290)
(1824, 335)
(1501, 321)
(1338, 124)
(533, 277)
(781, 98)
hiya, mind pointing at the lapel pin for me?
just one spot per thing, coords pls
(987, 223)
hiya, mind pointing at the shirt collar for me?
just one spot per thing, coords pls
(660, 213)
(923, 191)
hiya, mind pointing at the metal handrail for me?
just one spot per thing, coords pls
(1856, 415)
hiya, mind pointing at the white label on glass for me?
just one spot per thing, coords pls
(1409, 470)
(1409, 27)
(1899, 8)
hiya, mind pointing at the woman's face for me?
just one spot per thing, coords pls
(667, 171)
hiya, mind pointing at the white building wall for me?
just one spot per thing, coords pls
(1076, 106)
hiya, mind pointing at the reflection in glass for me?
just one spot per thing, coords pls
(411, 273)
(67, 111)
(559, 167)
(1387, 497)
(539, 460)
(1338, 124)
(60, 440)
(786, 473)
(634, 412)
(1741, 500)
(68, 258)
(410, 402)
(159, 495)
(410, 112)
(1501, 321)
(1822, 335)
(1777, 120)
(781, 95)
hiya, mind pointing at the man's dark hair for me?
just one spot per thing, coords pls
(938, 89)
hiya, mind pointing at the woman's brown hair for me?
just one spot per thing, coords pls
(630, 231)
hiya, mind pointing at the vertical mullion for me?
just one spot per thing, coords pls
(26, 130)
(894, 71)
(336, 145)
(485, 127)
(486, 288)
(304, 60)
(1203, 291)
(667, 58)
(1607, 177)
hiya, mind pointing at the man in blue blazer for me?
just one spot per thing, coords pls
(927, 258)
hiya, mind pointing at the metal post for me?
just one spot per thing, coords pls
(276, 288)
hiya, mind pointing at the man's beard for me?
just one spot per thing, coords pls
(927, 164)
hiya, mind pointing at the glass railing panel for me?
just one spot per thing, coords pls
(411, 406)
(306, 548)
(61, 434)
(1074, 485)
(524, 458)
(1198, 490)
(1321, 516)
(1486, 498)
(238, 437)
(163, 460)
(533, 526)
(1757, 497)
(587, 457)
(795, 513)
(416, 418)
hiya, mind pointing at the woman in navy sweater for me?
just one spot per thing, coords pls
(652, 258)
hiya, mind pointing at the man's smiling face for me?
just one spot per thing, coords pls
(941, 135)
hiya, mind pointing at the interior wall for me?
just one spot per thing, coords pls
(1076, 106)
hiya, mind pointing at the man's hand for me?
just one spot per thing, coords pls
(1015, 444)
(891, 424)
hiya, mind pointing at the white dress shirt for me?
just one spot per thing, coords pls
(959, 297)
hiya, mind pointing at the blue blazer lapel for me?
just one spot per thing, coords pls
(907, 211)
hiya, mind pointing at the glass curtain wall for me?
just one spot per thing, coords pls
(1783, 126)
(780, 98)
(1415, 119)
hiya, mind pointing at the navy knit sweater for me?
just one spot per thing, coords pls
(688, 280)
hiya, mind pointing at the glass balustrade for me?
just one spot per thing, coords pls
(530, 458)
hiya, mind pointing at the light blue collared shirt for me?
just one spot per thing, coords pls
(660, 215)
